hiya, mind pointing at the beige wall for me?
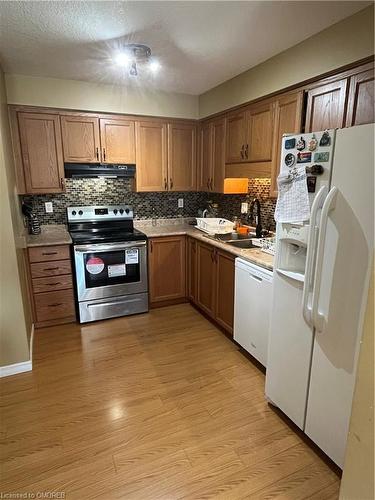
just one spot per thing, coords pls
(74, 94)
(15, 320)
(358, 477)
(343, 43)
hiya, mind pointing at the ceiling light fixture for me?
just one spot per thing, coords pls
(134, 54)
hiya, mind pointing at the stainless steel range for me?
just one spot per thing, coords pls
(110, 259)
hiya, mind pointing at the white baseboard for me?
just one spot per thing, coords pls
(6, 371)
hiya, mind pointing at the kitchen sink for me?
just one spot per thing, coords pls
(241, 243)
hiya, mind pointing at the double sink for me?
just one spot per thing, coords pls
(235, 240)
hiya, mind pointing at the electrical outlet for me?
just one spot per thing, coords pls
(180, 203)
(49, 207)
(244, 208)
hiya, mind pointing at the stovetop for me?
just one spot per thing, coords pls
(106, 236)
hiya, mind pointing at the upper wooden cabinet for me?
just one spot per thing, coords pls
(118, 140)
(81, 140)
(182, 173)
(360, 109)
(41, 158)
(326, 106)
(151, 142)
(236, 136)
(211, 168)
(287, 120)
(260, 132)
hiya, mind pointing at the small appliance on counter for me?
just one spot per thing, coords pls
(110, 258)
(33, 224)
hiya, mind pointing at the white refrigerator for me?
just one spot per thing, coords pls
(320, 286)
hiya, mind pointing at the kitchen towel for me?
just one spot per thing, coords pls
(293, 200)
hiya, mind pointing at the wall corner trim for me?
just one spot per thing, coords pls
(6, 371)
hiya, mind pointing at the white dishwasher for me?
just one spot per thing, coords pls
(252, 306)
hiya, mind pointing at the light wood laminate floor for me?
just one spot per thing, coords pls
(160, 405)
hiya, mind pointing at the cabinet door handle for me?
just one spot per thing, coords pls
(49, 253)
(171, 183)
(242, 151)
(50, 269)
(62, 183)
(151, 246)
(211, 183)
(103, 154)
(54, 284)
(165, 183)
(208, 183)
(97, 154)
(247, 151)
(55, 305)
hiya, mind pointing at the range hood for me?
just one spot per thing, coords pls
(92, 170)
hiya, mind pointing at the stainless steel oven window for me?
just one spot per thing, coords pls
(110, 282)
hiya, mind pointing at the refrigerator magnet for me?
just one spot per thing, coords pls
(290, 160)
(312, 144)
(325, 140)
(290, 143)
(321, 156)
(304, 157)
(301, 144)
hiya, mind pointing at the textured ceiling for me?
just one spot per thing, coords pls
(199, 44)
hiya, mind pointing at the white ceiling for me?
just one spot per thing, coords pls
(199, 44)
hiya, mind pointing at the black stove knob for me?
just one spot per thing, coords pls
(121, 211)
(74, 212)
(115, 211)
(127, 210)
(80, 212)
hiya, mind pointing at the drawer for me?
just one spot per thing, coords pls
(45, 254)
(52, 283)
(43, 269)
(54, 305)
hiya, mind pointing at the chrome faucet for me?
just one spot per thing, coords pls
(258, 223)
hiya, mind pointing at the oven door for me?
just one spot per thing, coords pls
(110, 269)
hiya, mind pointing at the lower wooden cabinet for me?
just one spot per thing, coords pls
(191, 269)
(166, 269)
(211, 282)
(51, 285)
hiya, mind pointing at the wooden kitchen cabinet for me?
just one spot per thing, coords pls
(182, 173)
(151, 142)
(224, 310)
(51, 285)
(191, 269)
(206, 272)
(215, 284)
(236, 125)
(258, 146)
(326, 106)
(205, 157)
(360, 108)
(287, 120)
(167, 270)
(41, 156)
(81, 139)
(117, 139)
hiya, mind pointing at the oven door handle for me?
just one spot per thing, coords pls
(108, 247)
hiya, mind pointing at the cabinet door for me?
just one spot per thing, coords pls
(360, 109)
(218, 155)
(236, 137)
(205, 157)
(206, 278)
(42, 158)
(192, 269)
(151, 173)
(167, 267)
(260, 132)
(80, 136)
(182, 157)
(326, 106)
(118, 141)
(287, 120)
(224, 311)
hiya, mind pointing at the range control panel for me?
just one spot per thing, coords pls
(95, 213)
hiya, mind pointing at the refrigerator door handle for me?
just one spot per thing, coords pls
(311, 253)
(318, 317)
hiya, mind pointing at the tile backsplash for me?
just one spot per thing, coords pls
(147, 205)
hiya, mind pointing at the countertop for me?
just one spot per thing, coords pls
(253, 255)
(58, 235)
(52, 234)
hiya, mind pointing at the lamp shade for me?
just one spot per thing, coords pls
(236, 185)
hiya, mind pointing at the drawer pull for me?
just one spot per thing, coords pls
(50, 269)
(49, 253)
(53, 284)
(55, 305)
